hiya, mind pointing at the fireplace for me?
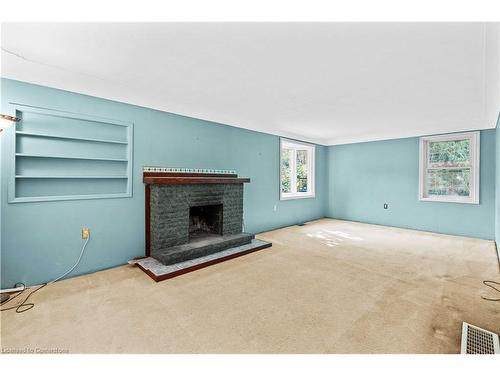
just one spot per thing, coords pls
(205, 221)
(191, 215)
(193, 219)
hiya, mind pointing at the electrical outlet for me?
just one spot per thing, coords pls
(275, 208)
(85, 233)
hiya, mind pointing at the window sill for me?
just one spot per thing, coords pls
(296, 196)
(450, 200)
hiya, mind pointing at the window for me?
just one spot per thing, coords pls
(449, 168)
(296, 169)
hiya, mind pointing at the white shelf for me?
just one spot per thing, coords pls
(69, 157)
(70, 177)
(70, 138)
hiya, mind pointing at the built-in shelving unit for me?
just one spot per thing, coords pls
(61, 156)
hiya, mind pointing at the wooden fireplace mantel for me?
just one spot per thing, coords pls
(195, 180)
(172, 178)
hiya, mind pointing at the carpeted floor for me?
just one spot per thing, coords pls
(327, 287)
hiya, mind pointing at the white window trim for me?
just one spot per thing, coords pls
(474, 138)
(311, 167)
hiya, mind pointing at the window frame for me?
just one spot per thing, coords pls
(311, 169)
(474, 139)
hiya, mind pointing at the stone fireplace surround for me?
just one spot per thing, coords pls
(170, 206)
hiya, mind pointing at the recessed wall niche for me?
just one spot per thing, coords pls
(58, 155)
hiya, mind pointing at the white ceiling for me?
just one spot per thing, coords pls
(328, 83)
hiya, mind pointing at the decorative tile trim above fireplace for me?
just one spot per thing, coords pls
(188, 170)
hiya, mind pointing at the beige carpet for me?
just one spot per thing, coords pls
(327, 287)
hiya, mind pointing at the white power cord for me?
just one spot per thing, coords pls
(76, 264)
(23, 306)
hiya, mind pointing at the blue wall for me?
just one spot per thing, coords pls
(39, 241)
(364, 176)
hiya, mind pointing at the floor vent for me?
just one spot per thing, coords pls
(477, 340)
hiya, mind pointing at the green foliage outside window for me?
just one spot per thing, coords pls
(301, 171)
(285, 177)
(449, 154)
(449, 170)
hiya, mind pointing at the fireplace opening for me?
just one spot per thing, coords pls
(205, 221)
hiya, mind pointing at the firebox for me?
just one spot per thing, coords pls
(205, 221)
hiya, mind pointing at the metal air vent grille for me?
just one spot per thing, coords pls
(476, 340)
